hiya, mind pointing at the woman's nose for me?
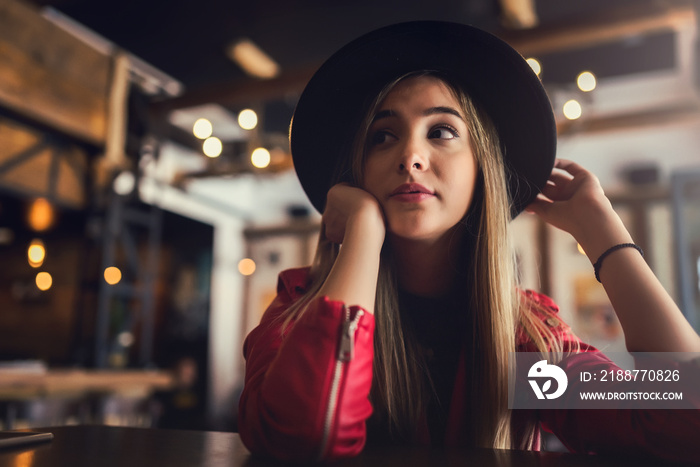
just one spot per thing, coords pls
(412, 158)
(415, 165)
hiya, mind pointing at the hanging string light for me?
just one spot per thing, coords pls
(36, 253)
(572, 109)
(248, 119)
(260, 158)
(44, 281)
(586, 81)
(212, 147)
(202, 128)
(246, 266)
(112, 275)
(535, 65)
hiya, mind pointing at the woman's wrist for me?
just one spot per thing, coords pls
(353, 278)
(600, 229)
(368, 225)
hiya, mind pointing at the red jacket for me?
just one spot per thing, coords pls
(306, 391)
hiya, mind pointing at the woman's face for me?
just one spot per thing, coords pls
(419, 162)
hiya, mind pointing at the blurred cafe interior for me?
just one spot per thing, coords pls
(148, 199)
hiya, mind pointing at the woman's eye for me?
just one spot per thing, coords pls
(443, 132)
(380, 137)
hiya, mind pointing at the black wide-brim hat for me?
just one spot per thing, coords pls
(336, 99)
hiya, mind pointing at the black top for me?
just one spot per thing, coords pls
(439, 326)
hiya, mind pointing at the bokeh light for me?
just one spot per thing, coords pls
(202, 128)
(535, 65)
(125, 339)
(586, 81)
(36, 253)
(248, 119)
(212, 147)
(44, 281)
(246, 266)
(260, 158)
(41, 215)
(112, 275)
(572, 109)
(124, 183)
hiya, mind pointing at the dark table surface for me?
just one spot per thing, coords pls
(104, 446)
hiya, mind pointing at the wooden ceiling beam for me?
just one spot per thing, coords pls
(615, 25)
(243, 92)
(677, 114)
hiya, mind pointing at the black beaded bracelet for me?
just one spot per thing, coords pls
(597, 264)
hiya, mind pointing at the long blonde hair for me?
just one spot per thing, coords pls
(399, 389)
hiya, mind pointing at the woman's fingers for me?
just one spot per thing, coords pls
(567, 180)
(560, 186)
(345, 202)
(556, 190)
(570, 166)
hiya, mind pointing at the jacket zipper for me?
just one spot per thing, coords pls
(346, 352)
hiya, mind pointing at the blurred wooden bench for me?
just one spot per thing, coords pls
(115, 397)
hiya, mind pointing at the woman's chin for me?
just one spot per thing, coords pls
(420, 231)
(413, 233)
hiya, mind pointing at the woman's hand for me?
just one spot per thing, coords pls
(569, 196)
(347, 204)
(574, 201)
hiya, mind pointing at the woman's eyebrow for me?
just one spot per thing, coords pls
(427, 112)
(383, 114)
(442, 110)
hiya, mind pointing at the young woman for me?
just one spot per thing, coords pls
(419, 142)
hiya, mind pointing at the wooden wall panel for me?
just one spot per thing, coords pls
(31, 176)
(70, 184)
(56, 168)
(15, 139)
(50, 76)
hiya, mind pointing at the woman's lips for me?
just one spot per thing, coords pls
(411, 193)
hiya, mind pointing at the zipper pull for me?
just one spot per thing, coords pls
(346, 349)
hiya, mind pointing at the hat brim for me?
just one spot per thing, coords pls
(497, 77)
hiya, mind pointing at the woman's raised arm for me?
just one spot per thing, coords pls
(573, 201)
(307, 385)
(354, 219)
